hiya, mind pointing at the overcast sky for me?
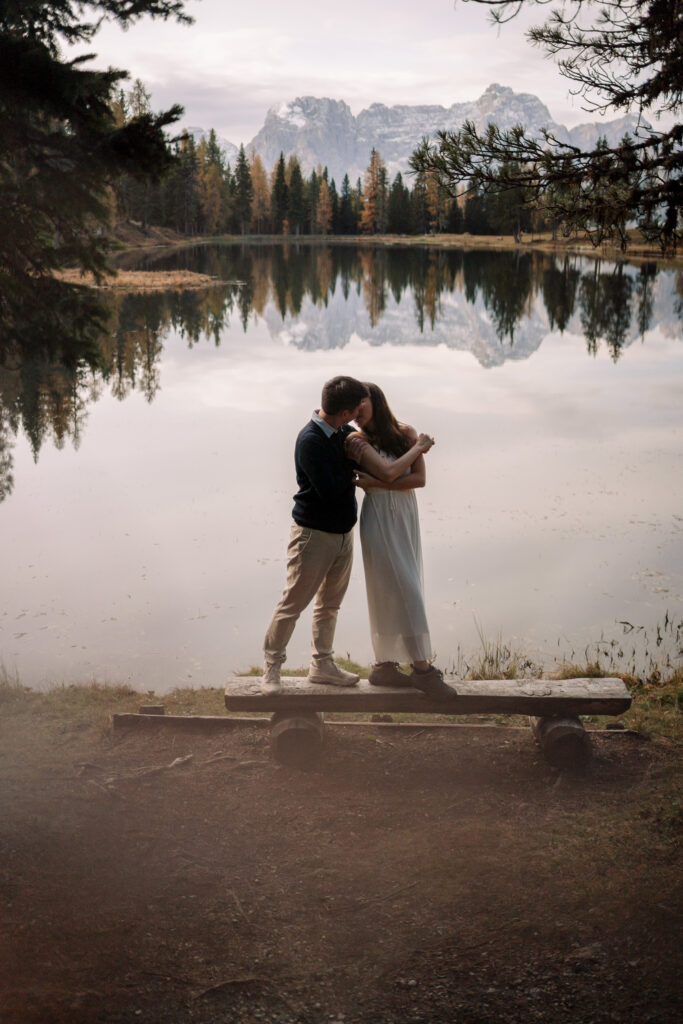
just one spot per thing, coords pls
(239, 59)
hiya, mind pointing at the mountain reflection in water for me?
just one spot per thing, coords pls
(615, 301)
(497, 305)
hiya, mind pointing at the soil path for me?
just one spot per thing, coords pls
(404, 878)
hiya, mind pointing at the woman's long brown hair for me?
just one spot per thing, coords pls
(385, 432)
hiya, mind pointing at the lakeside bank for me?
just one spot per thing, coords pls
(130, 237)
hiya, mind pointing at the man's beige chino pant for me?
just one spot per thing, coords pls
(318, 565)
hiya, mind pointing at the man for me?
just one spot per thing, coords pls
(320, 548)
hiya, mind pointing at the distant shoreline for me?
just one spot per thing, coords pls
(130, 238)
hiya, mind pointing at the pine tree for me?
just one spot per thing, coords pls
(418, 204)
(477, 220)
(619, 55)
(279, 196)
(133, 194)
(382, 199)
(348, 224)
(214, 154)
(398, 207)
(508, 211)
(229, 188)
(187, 198)
(334, 200)
(62, 147)
(296, 199)
(244, 192)
(312, 190)
(454, 218)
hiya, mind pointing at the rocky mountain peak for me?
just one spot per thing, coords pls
(323, 131)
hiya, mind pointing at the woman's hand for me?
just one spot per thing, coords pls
(365, 481)
(424, 442)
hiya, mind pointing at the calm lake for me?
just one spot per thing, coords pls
(146, 509)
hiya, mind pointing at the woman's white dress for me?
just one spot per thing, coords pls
(392, 558)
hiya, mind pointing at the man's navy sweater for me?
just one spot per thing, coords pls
(326, 499)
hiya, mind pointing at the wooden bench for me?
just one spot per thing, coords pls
(554, 706)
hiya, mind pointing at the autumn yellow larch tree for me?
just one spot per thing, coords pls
(374, 208)
(211, 198)
(260, 200)
(323, 210)
(436, 203)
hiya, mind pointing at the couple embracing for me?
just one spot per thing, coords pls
(386, 459)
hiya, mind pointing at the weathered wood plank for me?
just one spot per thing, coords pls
(192, 723)
(536, 697)
(222, 723)
(153, 709)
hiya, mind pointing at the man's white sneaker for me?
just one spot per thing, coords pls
(328, 672)
(270, 681)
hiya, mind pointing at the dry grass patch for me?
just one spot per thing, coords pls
(141, 280)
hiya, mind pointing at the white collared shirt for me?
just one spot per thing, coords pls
(327, 430)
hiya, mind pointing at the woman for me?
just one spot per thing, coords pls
(391, 457)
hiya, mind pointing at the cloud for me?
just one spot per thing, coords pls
(235, 63)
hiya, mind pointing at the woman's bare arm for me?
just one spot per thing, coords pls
(408, 482)
(361, 451)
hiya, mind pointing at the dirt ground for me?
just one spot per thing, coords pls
(445, 876)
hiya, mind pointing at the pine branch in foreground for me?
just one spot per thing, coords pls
(619, 55)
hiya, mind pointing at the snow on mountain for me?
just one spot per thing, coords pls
(229, 148)
(395, 131)
(319, 131)
(322, 131)
(325, 132)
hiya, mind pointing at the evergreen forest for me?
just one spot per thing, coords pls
(203, 194)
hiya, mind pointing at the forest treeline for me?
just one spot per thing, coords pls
(203, 194)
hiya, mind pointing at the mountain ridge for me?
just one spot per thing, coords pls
(324, 131)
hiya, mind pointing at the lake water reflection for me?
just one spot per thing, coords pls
(146, 508)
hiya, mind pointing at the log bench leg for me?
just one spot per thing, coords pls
(296, 738)
(563, 740)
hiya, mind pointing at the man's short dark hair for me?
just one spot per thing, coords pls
(341, 394)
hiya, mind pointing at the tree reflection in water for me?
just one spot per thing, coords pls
(559, 282)
(47, 394)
